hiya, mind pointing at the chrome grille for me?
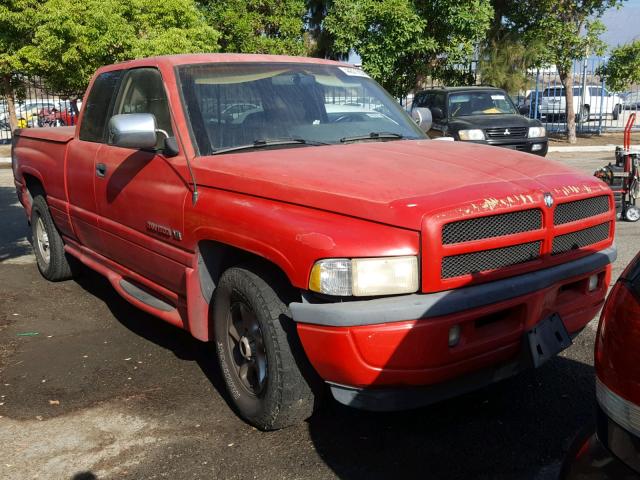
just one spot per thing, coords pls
(492, 226)
(581, 238)
(466, 263)
(580, 209)
(513, 132)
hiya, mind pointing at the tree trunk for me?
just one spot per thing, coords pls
(7, 88)
(570, 114)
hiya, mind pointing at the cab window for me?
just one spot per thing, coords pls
(142, 91)
(98, 105)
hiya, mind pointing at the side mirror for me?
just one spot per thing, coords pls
(133, 130)
(422, 117)
(437, 113)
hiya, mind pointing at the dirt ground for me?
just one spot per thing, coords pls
(614, 138)
(91, 388)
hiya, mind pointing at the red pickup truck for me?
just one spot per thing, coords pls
(289, 210)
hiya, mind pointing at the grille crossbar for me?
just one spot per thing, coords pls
(514, 132)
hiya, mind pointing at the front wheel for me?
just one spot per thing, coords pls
(47, 243)
(260, 355)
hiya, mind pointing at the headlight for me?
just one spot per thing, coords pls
(536, 132)
(475, 134)
(363, 277)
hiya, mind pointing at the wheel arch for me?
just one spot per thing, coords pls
(34, 187)
(213, 259)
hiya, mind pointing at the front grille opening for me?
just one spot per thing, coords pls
(496, 317)
(576, 287)
(580, 209)
(511, 132)
(581, 238)
(476, 262)
(491, 226)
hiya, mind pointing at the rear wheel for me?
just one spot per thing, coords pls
(583, 115)
(632, 214)
(260, 355)
(616, 111)
(47, 243)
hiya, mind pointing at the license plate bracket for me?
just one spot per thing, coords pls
(548, 338)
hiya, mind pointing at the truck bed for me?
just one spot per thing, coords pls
(51, 134)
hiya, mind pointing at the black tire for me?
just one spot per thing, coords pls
(285, 395)
(616, 111)
(53, 266)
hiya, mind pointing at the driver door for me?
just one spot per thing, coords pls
(140, 194)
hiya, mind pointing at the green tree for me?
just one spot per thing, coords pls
(259, 26)
(74, 37)
(16, 31)
(504, 62)
(571, 31)
(400, 41)
(505, 56)
(623, 68)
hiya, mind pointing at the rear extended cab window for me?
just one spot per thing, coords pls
(98, 106)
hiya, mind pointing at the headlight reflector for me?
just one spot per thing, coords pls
(537, 132)
(474, 134)
(363, 277)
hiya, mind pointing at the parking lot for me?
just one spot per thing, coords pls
(91, 387)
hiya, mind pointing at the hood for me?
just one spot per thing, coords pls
(489, 121)
(396, 182)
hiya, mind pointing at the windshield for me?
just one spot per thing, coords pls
(560, 92)
(480, 103)
(266, 104)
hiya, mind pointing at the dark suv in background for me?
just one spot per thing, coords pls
(481, 115)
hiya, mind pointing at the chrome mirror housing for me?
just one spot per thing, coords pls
(422, 117)
(133, 130)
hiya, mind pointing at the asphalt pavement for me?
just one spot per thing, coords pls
(92, 388)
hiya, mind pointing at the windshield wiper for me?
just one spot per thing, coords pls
(373, 136)
(268, 142)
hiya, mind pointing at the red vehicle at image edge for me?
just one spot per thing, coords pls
(614, 451)
(289, 210)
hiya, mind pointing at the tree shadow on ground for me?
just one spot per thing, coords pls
(517, 429)
(178, 341)
(15, 235)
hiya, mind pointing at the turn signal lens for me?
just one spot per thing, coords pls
(619, 409)
(331, 277)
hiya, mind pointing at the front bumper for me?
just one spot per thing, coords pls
(520, 144)
(403, 341)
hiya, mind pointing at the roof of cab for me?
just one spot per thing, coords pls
(194, 58)
(461, 89)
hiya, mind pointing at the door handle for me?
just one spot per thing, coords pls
(101, 170)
